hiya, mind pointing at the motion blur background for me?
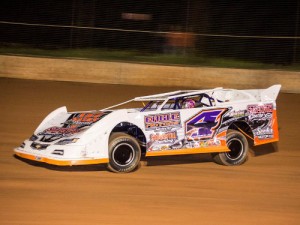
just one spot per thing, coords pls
(232, 33)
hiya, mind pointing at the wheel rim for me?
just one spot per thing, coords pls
(123, 154)
(236, 148)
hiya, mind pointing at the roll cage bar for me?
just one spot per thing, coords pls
(178, 97)
(178, 101)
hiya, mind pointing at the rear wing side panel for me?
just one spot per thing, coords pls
(270, 131)
(271, 93)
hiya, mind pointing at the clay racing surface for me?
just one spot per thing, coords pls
(168, 190)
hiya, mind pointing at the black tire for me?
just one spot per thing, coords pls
(124, 153)
(238, 145)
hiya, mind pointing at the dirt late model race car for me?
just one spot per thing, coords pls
(217, 121)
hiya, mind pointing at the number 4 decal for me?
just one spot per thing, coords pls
(204, 124)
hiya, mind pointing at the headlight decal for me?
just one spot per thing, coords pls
(58, 152)
(38, 146)
(67, 141)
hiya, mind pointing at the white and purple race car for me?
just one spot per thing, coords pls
(219, 121)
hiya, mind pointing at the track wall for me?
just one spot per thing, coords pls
(144, 74)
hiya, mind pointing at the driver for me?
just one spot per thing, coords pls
(188, 104)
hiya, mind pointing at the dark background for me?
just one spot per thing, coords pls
(253, 30)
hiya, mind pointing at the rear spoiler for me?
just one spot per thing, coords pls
(271, 93)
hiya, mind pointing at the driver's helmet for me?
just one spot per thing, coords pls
(188, 104)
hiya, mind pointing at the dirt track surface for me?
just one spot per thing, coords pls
(168, 190)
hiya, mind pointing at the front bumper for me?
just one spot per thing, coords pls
(60, 162)
(69, 155)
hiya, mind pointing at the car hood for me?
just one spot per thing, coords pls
(61, 124)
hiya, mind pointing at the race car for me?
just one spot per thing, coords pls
(219, 121)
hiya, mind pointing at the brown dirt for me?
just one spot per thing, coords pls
(169, 190)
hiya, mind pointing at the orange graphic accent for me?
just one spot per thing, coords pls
(87, 117)
(223, 143)
(61, 162)
(222, 134)
(258, 141)
(222, 148)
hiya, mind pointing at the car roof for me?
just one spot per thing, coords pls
(174, 94)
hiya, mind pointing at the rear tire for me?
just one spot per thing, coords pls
(124, 153)
(238, 154)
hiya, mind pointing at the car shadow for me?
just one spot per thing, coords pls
(264, 149)
(255, 151)
(177, 159)
(145, 161)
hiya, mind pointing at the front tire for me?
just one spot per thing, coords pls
(238, 154)
(124, 153)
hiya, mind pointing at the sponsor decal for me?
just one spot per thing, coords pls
(204, 124)
(203, 144)
(76, 123)
(83, 119)
(60, 131)
(159, 148)
(199, 131)
(260, 120)
(237, 114)
(260, 109)
(165, 121)
(164, 137)
(162, 140)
